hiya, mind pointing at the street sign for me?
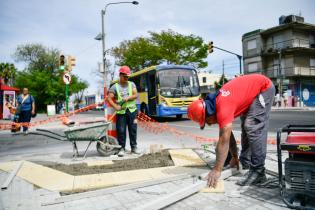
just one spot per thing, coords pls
(66, 78)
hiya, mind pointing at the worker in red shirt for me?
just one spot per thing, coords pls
(250, 97)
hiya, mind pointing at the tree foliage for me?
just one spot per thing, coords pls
(166, 46)
(222, 81)
(42, 76)
(38, 57)
(8, 73)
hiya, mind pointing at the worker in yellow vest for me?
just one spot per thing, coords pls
(125, 93)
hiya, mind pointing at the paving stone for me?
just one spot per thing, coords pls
(60, 206)
(257, 207)
(275, 207)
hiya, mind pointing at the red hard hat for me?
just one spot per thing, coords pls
(197, 112)
(125, 70)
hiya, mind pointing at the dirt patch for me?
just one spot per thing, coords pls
(156, 160)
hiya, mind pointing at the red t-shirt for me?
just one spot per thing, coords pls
(237, 95)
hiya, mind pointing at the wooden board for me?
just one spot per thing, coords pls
(54, 180)
(186, 157)
(11, 176)
(94, 181)
(99, 162)
(41, 176)
(218, 189)
(101, 192)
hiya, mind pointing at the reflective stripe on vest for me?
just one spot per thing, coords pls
(131, 105)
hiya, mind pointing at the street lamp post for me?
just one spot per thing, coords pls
(280, 75)
(102, 37)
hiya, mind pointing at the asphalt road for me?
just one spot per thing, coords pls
(277, 119)
(280, 118)
(18, 145)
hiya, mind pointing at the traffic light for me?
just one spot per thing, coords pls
(62, 62)
(210, 47)
(71, 62)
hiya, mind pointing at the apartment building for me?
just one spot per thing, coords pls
(207, 80)
(286, 54)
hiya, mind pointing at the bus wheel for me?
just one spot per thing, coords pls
(179, 116)
(144, 109)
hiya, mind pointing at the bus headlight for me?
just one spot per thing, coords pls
(163, 102)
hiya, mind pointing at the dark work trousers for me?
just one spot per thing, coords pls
(123, 121)
(255, 125)
(25, 116)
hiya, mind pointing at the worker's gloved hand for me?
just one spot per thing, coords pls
(213, 177)
(117, 107)
(125, 100)
(121, 103)
(235, 163)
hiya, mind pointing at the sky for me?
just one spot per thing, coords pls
(71, 25)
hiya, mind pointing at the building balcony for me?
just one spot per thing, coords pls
(287, 45)
(274, 72)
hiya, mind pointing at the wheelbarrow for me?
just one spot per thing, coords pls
(94, 132)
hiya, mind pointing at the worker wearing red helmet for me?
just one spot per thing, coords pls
(249, 97)
(125, 93)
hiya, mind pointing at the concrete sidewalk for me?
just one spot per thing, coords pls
(305, 108)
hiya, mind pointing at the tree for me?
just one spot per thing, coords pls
(78, 89)
(8, 73)
(222, 81)
(181, 49)
(137, 54)
(42, 76)
(166, 46)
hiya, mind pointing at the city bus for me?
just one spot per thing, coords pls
(166, 90)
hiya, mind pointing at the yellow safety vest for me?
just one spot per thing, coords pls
(131, 105)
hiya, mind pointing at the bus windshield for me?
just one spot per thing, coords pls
(178, 83)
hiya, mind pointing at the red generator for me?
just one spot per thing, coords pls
(297, 184)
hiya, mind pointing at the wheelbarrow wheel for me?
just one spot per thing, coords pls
(106, 147)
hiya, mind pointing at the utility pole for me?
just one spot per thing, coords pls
(223, 72)
(67, 98)
(102, 38)
(280, 73)
(237, 55)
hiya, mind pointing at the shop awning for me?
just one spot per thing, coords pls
(6, 87)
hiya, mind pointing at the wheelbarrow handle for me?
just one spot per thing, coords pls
(48, 131)
(47, 135)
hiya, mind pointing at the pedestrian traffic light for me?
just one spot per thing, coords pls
(62, 62)
(71, 62)
(210, 47)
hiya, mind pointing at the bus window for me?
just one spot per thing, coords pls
(143, 83)
(178, 83)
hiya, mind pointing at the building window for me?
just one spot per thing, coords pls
(312, 63)
(204, 79)
(251, 44)
(252, 67)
